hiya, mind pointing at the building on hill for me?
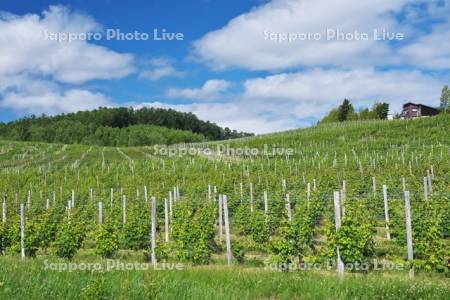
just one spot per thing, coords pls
(412, 110)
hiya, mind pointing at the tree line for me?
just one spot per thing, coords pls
(346, 112)
(117, 127)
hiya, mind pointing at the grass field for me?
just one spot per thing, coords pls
(29, 280)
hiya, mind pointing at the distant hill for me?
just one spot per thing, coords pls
(117, 127)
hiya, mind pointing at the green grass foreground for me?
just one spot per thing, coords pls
(29, 280)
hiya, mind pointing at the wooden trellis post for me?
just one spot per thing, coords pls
(337, 220)
(409, 241)
(386, 211)
(227, 230)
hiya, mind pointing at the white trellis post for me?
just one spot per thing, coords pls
(73, 199)
(288, 207)
(241, 189)
(374, 184)
(386, 211)
(124, 209)
(22, 230)
(409, 241)
(220, 218)
(337, 220)
(251, 197)
(166, 219)
(29, 200)
(343, 197)
(227, 230)
(308, 192)
(425, 188)
(4, 211)
(112, 198)
(430, 185)
(153, 237)
(266, 205)
(47, 204)
(175, 195)
(145, 194)
(100, 213)
(170, 205)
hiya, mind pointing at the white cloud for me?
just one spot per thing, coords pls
(243, 42)
(431, 51)
(37, 74)
(53, 102)
(160, 68)
(210, 90)
(312, 93)
(25, 49)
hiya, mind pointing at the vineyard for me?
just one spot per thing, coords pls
(350, 199)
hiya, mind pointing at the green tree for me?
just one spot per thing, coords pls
(381, 110)
(445, 98)
(345, 110)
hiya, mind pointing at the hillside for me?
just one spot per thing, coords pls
(279, 206)
(117, 127)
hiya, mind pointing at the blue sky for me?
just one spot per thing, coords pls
(233, 66)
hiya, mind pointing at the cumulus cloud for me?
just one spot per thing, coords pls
(246, 41)
(312, 93)
(159, 68)
(37, 75)
(210, 90)
(25, 48)
(242, 42)
(53, 102)
(431, 51)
